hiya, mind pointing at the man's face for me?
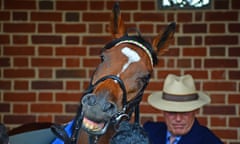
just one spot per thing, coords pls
(179, 123)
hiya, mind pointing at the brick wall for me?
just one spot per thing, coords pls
(49, 49)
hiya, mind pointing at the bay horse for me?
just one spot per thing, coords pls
(118, 83)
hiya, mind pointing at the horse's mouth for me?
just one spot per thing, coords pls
(92, 126)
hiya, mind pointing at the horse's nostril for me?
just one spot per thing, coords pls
(89, 100)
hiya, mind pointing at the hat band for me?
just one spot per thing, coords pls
(179, 98)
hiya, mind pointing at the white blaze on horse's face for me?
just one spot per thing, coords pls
(132, 57)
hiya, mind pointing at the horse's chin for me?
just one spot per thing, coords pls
(92, 127)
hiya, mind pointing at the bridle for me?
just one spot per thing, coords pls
(128, 107)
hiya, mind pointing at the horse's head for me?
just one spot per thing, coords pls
(121, 77)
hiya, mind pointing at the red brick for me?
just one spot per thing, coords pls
(226, 133)
(154, 86)
(4, 107)
(72, 62)
(200, 74)
(194, 28)
(45, 96)
(18, 27)
(221, 40)
(91, 62)
(71, 5)
(18, 50)
(197, 63)
(147, 5)
(19, 73)
(220, 110)
(221, 16)
(46, 39)
(19, 96)
(20, 39)
(23, 4)
(45, 118)
(5, 84)
(219, 86)
(220, 63)
(149, 109)
(68, 97)
(46, 108)
(199, 16)
(198, 40)
(71, 108)
(218, 74)
(218, 98)
(47, 62)
(45, 73)
(95, 17)
(235, 4)
(234, 99)
(71, 51)
(72, 39)
(73, 85)
(47, 85)
(18, 119)
(60, 74)
(4, 39)
(184, 63)
(21, 85)
(63, 118)
(148, 17)
(21, 62)
(45, 28)
(234, 75)
(45, 50)
(96, 5)
(234, 27)
(219, 121)
(146, 28)
(20, 16)
(217, 51)
(162, 74)
(20, 108)
(221, 4)
(234, 122)
(4, 16)
(201, 51)
(217, 28)
(184, 40)
(46, 16)
(234, 51)
(4, 62)
(184, 17)
(70, 28)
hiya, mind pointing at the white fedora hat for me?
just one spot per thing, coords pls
(179, 95)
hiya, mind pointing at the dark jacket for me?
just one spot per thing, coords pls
(197, 135)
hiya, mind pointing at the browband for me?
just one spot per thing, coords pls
(139, 45)
(180, 98)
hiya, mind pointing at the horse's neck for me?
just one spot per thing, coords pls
(104, 139)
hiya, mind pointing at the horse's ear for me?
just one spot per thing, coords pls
(117, 28)
(162, 41)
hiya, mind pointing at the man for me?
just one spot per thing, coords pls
(129, 133)
(179, 102)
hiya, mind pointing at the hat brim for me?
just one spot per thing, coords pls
(156, 100)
